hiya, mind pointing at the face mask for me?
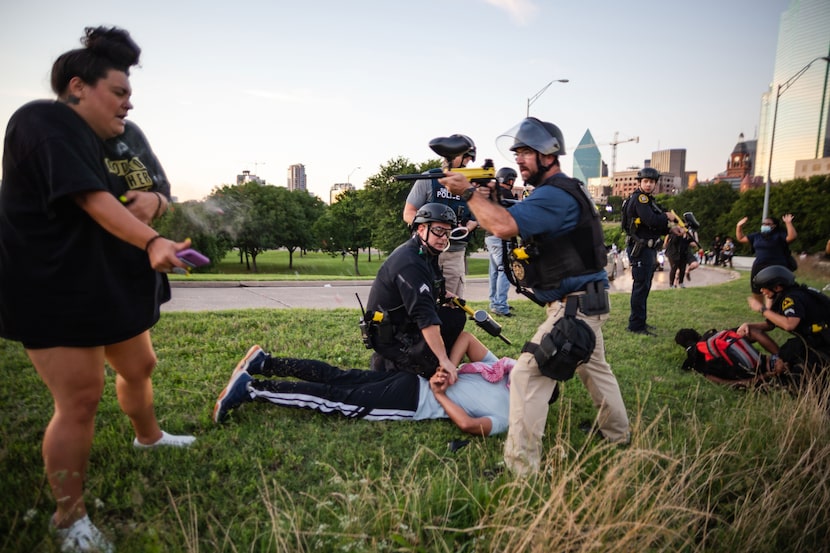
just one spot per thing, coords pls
(765, 228)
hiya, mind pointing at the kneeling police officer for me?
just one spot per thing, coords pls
(406, 322)
(564, 265)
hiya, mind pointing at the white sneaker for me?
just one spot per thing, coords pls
(83, 537)
(168, 440)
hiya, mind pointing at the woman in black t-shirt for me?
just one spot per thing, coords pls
(81, 270)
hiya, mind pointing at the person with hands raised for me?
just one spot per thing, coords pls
(771, 245)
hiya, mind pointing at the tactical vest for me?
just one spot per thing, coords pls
(578, 252)
(442, 195)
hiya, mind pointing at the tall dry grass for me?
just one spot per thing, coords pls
(760, 486)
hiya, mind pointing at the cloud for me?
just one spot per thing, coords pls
(520, 11)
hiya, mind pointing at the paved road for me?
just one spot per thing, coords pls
(216, 296)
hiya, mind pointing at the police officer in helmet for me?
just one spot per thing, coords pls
(499, 284)
(429, 190)
(647, 224)
(410, 331)
(566, 274)
(800, 310)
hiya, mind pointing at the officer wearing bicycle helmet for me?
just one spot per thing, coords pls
(452, 262)
(648, 222)
(408, 329)
(562, 264)
(795, 308)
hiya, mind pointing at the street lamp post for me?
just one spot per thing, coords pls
(536, 96)
(779, 91)
(349, 178)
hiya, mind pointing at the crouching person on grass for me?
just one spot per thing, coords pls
(800, 310)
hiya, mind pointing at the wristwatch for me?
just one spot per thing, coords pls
(467, 194)
(763, 308)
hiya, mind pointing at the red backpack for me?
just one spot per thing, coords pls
(733, 349)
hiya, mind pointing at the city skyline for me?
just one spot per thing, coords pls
(343, 88)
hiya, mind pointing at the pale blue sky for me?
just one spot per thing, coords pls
(336, 85)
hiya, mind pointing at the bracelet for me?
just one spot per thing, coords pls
(150, 241)
(158, 207)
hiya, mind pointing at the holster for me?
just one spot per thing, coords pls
(595, 300)
(569, 344)
(637, 247)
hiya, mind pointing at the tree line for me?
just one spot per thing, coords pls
(251, 218)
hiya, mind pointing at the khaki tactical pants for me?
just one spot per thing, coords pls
(530, 391)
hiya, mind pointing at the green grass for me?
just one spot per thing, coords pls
(273, 265)
(709, 468)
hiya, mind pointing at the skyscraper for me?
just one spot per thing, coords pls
(587, 159)
(801, 128)
(296, 177)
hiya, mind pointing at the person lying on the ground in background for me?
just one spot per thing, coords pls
(478, 403)
(725, 357)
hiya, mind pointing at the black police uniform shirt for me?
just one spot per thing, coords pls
(404, 287)
(797, 302)
(653, 222)
(64, 280)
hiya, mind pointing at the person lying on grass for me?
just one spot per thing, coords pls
(726, 357)
(478, 403)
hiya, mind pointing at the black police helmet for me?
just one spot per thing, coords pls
(772, 276)
(506, 174)
(648, 173)
(435, 213)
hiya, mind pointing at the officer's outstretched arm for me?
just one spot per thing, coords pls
(432, 336)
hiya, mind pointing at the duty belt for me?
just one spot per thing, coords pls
(650, 243)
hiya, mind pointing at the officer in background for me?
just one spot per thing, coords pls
(499, 284)
(404, 323)
(560, 225)
(646, 225)
(452, 262)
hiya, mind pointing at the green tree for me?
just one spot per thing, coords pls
(342, 228)
(254, 214)
(386, 197)
(808, 200)
(710, 204)
(192, 220)
(297, 212)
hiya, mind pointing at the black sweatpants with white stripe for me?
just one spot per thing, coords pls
(353, 393)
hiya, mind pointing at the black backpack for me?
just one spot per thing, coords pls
(625, 221)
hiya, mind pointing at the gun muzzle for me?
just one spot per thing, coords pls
(482, 320)
(485, 321)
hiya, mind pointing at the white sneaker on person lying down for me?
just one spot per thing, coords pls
(166, 439)
(82, 537)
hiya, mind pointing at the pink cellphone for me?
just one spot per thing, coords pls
(192, 258)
